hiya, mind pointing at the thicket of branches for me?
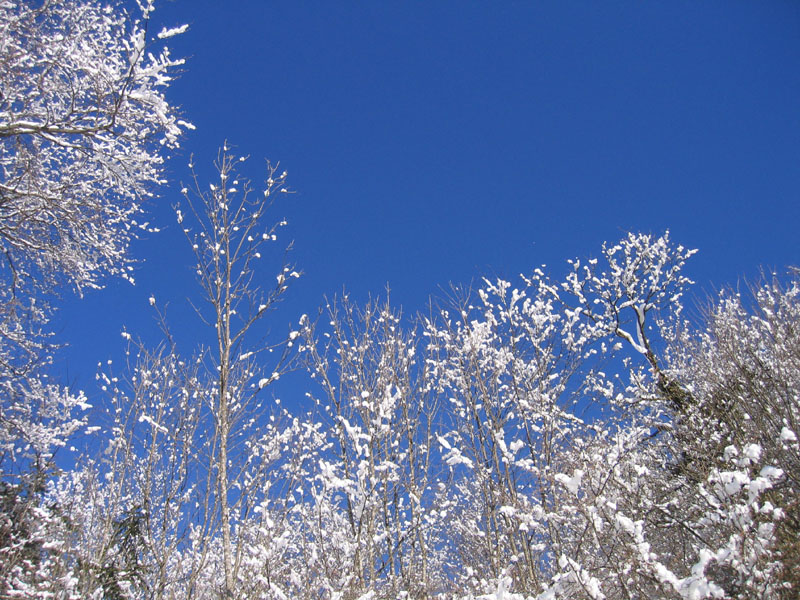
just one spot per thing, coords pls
(550, 438)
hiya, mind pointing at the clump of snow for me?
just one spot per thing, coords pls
(787, 435)
(573, 483)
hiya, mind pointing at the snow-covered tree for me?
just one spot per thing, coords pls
(228, 242)
(84, 131)
(526, 372)
(742, 373)
(563, 439)
(83, 127)
(194, 456)
(604, 448)
(379, 410)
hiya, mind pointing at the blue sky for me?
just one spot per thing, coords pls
(438, 142)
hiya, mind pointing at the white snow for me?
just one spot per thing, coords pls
(168, 33)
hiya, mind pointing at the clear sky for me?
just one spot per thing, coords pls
(438, 142)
